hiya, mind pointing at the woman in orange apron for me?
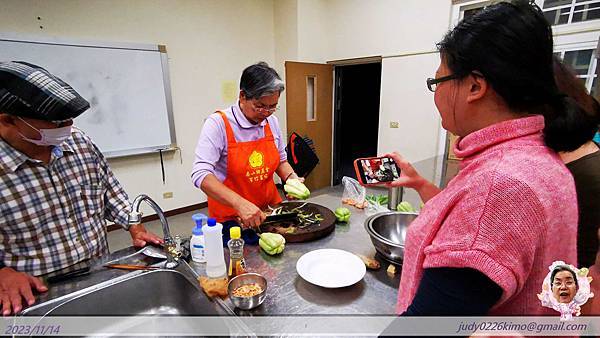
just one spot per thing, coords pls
(239, 150)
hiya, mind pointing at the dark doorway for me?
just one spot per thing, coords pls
(356, 116)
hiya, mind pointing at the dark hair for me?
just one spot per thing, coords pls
(510, 44)
(586, 124)
(259, 80)
(563, 268)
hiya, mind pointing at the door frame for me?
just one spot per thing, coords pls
(335, 104)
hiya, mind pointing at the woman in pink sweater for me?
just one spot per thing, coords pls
(484, 243)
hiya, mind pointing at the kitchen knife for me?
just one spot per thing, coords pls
(281, 217)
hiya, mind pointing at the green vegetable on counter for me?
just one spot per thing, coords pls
(404, 206)
(377, 199)
(342, 214)
(271, 243)
(296, 189)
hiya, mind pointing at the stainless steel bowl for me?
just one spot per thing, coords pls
(388, 232)
(247, 303)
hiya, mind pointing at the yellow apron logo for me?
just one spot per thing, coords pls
(255, 159)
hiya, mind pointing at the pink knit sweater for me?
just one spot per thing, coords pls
(509, 213)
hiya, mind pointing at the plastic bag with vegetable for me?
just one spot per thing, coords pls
(354, 193)
(376, 204)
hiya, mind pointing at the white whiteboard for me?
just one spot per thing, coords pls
(127, 86)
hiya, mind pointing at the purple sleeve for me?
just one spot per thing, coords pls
(280, 141)
(208, 150)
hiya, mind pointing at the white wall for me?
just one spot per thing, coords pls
(286, 45)
(341, 29)
(405, 99)
(208, 42)
(345, 29)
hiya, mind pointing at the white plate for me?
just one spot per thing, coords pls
(331, 268)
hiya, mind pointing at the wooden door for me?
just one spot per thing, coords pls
(309, 97)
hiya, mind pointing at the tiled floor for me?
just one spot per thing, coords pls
(181, 224)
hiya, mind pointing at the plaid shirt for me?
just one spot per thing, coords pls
(53, 216)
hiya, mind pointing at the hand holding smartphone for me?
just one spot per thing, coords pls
(376, 170)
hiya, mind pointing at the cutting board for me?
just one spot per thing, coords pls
(291, 229)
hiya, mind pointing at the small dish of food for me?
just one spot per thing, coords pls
(247, 290)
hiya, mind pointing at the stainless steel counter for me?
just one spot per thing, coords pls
(289, 294)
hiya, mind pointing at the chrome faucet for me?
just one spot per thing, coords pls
(394, 197)
(135, 217)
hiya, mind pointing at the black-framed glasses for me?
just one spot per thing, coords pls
(432, 83)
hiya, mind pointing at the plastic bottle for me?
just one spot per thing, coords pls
(197, 242)
(237, 265)
(215, 260)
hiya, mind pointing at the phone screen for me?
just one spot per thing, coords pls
(377, 170)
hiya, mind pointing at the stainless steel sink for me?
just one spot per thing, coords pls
(157, 292)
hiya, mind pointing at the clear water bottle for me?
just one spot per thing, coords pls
(213, 249)
(237, 265)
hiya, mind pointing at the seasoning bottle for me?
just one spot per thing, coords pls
(197, 242)
(237, 265)
(215, 260)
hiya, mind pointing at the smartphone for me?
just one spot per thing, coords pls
(376, 170)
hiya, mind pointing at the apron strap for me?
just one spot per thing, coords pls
(268, 133)
(228, 130)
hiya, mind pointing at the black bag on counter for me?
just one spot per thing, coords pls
(301, 154)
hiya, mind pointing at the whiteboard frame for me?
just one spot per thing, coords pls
(13, 37)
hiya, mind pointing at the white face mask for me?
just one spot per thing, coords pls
(50, 137)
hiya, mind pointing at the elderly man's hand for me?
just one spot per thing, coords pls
(14, 286)
(141, 237)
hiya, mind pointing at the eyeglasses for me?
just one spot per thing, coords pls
(264, 110)
(432, 83)
(568, 283)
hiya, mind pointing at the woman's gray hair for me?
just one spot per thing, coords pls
(260, 80)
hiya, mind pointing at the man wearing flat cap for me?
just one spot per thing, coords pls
(56, 188)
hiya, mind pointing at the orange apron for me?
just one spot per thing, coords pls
(250, 169)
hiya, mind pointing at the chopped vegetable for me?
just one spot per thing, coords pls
(342, 214)
(296, 189)
(305, 217)
(391, 269)
(379, 199)
(271, 243)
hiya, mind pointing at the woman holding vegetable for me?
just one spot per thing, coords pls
(484, 243)
(239, 150)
